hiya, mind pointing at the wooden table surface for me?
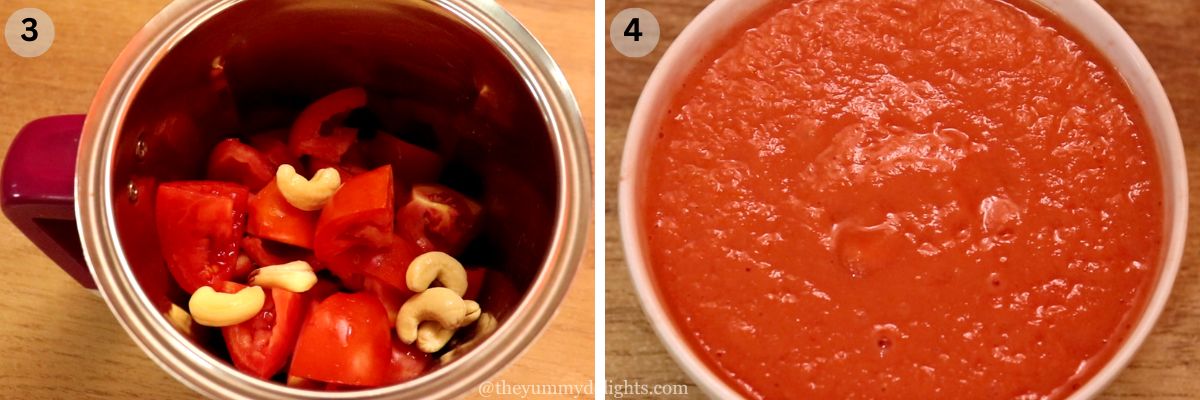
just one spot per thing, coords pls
(1166, 367)
(61, 341)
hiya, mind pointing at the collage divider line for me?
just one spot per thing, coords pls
(598, 178)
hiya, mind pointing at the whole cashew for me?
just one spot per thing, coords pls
(440, 305)
(295, 277)
(215, 309)
(432, 336)
(436, 265)
(307, 195)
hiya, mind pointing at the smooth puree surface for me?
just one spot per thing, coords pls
(903, 199)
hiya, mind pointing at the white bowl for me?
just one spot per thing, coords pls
(720, 17)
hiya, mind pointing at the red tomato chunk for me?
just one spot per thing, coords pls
(234, 161)
(346, 340)
(438, 218)
(271, 217)
(262, 345)
(199, 226)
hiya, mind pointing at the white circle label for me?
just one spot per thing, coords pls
(29, 32)
(634, 32)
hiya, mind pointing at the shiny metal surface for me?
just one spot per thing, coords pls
(491, 98)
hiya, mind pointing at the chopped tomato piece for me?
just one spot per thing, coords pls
(355, 222)
(262, 345)
(411, 163)
(408, 362)
(348, 267)
(237, 162)
(390, 296)
(199, 226)
(317, 133)
(438, 218)
(346, 340)
(391, 264)
(272, 217)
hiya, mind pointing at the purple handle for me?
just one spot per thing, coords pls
(39, 190)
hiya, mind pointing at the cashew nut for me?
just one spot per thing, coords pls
(307, 195)
(295, 277)
(485, 325)
(432, 336)
(212, 308)
(440, 305)
(473, 312)
(424, 269)
(180, 319)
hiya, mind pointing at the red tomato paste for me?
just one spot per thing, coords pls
(904, 199)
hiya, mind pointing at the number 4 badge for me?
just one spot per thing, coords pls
(634, 32)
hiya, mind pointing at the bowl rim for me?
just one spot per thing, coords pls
(214, 377)
(721, 16)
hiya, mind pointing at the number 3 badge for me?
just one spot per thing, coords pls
(29, 32)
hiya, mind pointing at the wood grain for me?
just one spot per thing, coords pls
(1168, 364)
(60, 341)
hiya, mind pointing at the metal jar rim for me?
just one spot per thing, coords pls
(214, 377)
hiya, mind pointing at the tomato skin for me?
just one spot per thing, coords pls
(438, 218)
(307, 136)
(390, 265)
(272, 217)
(411, 163)
(348, 267)
(237, 162)
(355, 223)
(408, 362)
(261, 346)
(390, 296)
(199, 226)
(346, 340)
